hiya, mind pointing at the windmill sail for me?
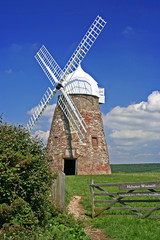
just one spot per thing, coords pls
(57, 77)
(41, 107)
(49, 65)
(72, 114)
(84, 46)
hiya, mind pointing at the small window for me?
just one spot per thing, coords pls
(94, 141)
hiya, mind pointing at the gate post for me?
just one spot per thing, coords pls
(58, 191)
(92, 196)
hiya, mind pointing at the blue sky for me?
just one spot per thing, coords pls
(124, 60)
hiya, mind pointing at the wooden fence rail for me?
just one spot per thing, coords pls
(127, 193)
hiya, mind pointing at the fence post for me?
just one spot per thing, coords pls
(92, 195)
(58, 191)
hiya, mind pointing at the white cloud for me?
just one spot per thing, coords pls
(44, 122)
(47, 114)
(144, 155)
(135, 134)
(137, 121)
(26, 46)
(49, 110)
(16, 47)
(42, 135)
(9, 71)
(153, 102)
(32, 110)
(128, 30)
(135, 129)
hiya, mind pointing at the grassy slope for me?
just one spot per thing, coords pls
(135, 168)
(117, 227)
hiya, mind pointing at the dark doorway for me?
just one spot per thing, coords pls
(70, 166)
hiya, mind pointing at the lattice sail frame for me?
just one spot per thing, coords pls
(72, 114)
(84, 46)
(57, 77)
(49, 65)
(40, 108)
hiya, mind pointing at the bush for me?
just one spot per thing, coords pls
(26, 211)
(25, 178)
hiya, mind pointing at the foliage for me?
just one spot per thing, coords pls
(118, 227)
(26, 211)
(64, 227)
(25, 176)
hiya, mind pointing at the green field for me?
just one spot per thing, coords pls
(119, 227)
(135, 168)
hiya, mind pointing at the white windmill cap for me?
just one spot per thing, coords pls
(80, 82)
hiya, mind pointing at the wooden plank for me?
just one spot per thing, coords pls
(141, 200)
(139, 194)
(149, 213)
(105, 194)
(92, 196)
(103, 201)
(58, 191)
(107, 207)
(154, 216)
(140, 185)
(135, 194)
(107, 185)
(155, 183)
(133, 200)
(121, 201)
(128, 208)
(130, 215)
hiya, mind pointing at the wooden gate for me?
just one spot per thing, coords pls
(128, 196)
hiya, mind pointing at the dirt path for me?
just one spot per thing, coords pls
(78, 211)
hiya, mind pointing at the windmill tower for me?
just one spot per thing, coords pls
(76, 143)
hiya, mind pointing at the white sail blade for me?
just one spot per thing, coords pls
(84, 46)
(49, 65)
(72, 114)
(41, 107)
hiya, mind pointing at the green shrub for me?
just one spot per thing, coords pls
(26, 211)
(24, 171)
(25, 178)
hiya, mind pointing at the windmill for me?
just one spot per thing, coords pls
(62, 82)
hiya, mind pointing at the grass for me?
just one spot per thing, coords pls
(119, 227)
(135, 168)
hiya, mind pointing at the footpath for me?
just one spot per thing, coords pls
(75, 208)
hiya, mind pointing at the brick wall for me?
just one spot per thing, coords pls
(92, 155)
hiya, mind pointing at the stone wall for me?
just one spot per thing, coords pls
(92, 155)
